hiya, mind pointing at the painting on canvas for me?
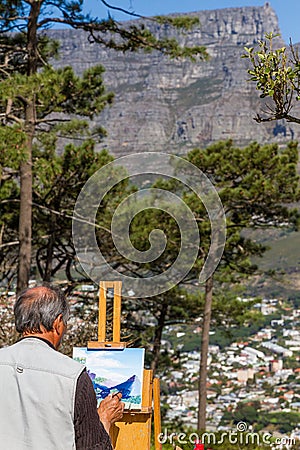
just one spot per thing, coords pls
(114, 371)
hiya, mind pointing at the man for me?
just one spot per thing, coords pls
(47, 400)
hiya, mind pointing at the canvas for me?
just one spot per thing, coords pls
(114, 371)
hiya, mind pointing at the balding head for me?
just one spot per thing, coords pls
(37, 308)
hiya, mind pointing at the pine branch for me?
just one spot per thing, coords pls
(78, 219)
(9, 244)
(14, 18)
(125, 11)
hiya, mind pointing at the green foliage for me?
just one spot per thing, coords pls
(13, 54)
(146, 319)
(57, 181)
(283, 421)
(250, 413)
(56, 91)
(247, 412)
(255, 184)
(181, 22)
(135, 36)
(257, 177)
(276, 75)
(12, 146)
(12, 152)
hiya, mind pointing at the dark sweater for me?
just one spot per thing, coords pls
(89, 431)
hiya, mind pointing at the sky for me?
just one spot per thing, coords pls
(117, 366)
(288, 11)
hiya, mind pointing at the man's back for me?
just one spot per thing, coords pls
(37, 392)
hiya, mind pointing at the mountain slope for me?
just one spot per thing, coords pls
(177, 105)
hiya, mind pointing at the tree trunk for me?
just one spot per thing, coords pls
(204, 354)
(158, 335)
(25, 219)
(50, 250)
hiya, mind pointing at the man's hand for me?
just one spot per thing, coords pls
(111, 410)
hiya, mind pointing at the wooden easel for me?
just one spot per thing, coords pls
(133, 432)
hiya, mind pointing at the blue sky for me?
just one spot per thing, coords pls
(288, 11)
(115, 365)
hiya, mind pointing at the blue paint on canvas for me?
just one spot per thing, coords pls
(114, 371)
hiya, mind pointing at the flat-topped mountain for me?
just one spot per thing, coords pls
(176, 105)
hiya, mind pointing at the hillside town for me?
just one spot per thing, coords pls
(263, 371)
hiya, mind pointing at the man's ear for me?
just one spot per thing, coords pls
(58, 324)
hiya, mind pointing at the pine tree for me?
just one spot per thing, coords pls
(256, 184)
(31, 90)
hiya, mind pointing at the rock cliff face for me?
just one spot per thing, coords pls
(176, 105)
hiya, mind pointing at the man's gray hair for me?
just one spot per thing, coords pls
(39, 307)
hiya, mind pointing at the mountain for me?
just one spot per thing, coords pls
(176, 105)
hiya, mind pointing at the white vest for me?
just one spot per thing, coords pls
(37, 397)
